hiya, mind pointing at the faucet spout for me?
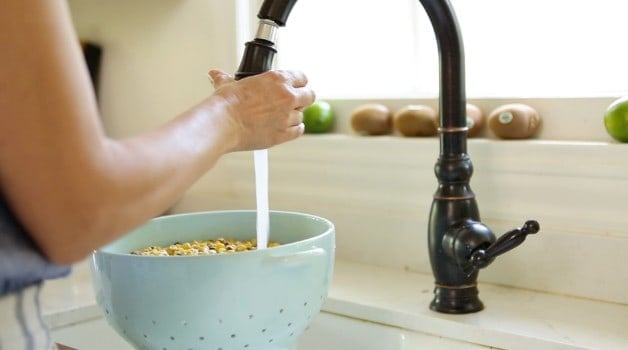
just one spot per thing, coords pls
(459, 245)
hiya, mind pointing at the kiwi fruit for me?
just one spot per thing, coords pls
(475, 120)
(514, 121)
(371, 119)
(416, 120)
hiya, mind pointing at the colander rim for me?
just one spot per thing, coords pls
(284, 246)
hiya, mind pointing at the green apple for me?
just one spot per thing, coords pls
(318, 118)
(616, 119)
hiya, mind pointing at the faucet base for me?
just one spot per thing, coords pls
(456, 299)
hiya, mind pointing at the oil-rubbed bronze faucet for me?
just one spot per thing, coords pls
(459, 244)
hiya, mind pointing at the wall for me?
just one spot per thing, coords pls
(156, 54)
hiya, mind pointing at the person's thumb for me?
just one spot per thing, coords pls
(219, 78)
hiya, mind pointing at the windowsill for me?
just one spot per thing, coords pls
(562, 119)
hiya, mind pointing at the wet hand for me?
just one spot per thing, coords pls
(265, 109)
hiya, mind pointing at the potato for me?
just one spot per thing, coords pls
(475, 120)
(416, 120)
(514, 121)
(371, 119)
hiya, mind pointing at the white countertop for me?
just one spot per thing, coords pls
(512, 319)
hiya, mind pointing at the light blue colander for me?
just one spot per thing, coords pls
(262, 299)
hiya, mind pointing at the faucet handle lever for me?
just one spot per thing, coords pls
(483, 257)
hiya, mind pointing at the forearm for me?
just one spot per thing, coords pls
(74, 197)
(150, 172)
(73, 188)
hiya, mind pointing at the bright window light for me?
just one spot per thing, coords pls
(513, 48)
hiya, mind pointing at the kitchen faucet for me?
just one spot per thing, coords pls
(459, 244)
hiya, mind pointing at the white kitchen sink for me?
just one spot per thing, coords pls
(334, 332)
(327, 331)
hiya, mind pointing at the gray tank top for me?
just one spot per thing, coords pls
(21, 263)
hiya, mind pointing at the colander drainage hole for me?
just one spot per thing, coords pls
(171, 338)
(233, 336)
(263, 330)
(201, 338)
(281, 311)
(250, 316)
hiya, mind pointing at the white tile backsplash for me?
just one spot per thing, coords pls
(378, 190)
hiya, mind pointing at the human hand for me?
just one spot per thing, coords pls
(265, 109)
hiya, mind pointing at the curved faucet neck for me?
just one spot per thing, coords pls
(452, 76)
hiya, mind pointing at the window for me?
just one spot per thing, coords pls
(386, 48)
